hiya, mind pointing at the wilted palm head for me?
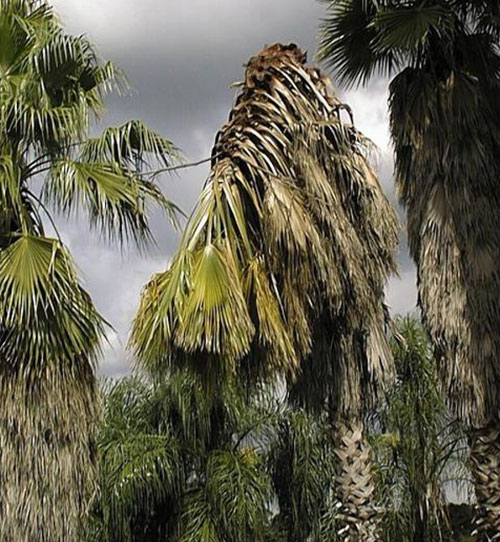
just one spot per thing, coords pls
(289, 245)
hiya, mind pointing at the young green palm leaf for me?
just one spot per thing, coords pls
(51, 86)
(419, 446)
(445, 113)
(283, 262)
(177, 464)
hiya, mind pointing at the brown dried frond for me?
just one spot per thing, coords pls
(303, 232)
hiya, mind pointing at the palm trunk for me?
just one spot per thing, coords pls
(485, 461)
(359, 517)
(47, 454)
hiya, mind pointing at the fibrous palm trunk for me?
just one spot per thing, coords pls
(447, 145)
(283, 264)
(485, 459)
(49, 397)
(358, 516)
(47, 464)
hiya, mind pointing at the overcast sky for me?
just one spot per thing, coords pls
(181, 57)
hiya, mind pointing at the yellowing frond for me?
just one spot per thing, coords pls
(291, 231)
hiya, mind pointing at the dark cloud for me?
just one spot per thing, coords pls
(181, 58)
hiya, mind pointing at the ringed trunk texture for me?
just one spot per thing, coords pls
(359, 517)
(485, 461)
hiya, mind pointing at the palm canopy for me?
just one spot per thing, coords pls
(288, 247)
(362, 38)
(302, 466)
(179, 464)
(445, 114)
(176, 463)
(52, 87)
(419, 446)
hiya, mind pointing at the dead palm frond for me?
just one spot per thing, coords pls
(291, 224)
(445, 114)
(282, 264)
(52, 85)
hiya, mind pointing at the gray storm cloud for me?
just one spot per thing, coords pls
(181, 57)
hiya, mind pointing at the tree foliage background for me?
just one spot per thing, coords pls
(52, 88)
(178, 464)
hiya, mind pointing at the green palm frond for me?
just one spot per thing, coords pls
(201, 416)
(141, 471)
(277, 237)
(361, 39)
(199, 524)
(177, 463)
(233, 502)
(303, 468)
(52, 86)
(139, 466)
(18, 207)
(215, 318)
(45, 314)
(238, 491)
(56, 79)
(407, 28)
(419, 445)
(51, 89)
(131, 145)
(117, 201)
(349, 42)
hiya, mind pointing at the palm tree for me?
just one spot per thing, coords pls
(445, 112)
(51, 86)
(178, 464)
(419, 446)
(302, 465)
(140, 468)
(283, 262)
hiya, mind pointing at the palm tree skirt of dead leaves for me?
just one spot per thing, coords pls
(283, 262)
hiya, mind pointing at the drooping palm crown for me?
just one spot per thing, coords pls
(52, 86)
(282, 264)
(445, 112)
(288, 249)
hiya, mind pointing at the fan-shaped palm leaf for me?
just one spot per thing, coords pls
(51, 86)
(288, 250)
